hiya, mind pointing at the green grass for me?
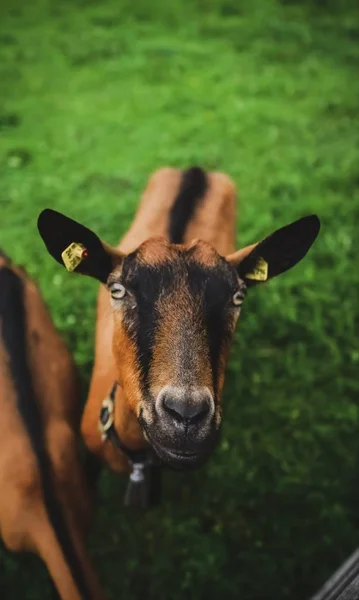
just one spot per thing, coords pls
(95, 96)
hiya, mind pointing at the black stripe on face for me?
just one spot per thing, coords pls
(209, 288)
(147, 282)
(214, 288)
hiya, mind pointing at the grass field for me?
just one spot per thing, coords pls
(95, 96)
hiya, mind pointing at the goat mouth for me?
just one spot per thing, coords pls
(175, 459)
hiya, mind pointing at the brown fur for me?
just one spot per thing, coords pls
(166, 364)
(24, 524)
(213, 222)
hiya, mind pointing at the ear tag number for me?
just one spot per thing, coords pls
(73, 255)
(260, 271)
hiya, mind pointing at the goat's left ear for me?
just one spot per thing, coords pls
(75, 246)
(276, 253)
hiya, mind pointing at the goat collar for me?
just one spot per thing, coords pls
(108, 430)
(144, 482)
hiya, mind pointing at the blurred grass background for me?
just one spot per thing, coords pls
(95, 96)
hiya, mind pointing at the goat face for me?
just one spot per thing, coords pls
(175, 309)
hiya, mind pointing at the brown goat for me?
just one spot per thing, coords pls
(176, 286)
(44, 501)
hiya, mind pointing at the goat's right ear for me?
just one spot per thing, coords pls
(76, 246)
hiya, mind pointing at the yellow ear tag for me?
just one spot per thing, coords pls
(73, 255)
(260, 271)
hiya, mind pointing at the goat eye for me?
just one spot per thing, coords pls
(238, 298)
(118, 291)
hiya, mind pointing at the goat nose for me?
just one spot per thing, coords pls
(187, 409)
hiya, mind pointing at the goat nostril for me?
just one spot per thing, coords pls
(172, 411)
(183, 410)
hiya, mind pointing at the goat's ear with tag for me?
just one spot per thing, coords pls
(277, 253)
(75, 246)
